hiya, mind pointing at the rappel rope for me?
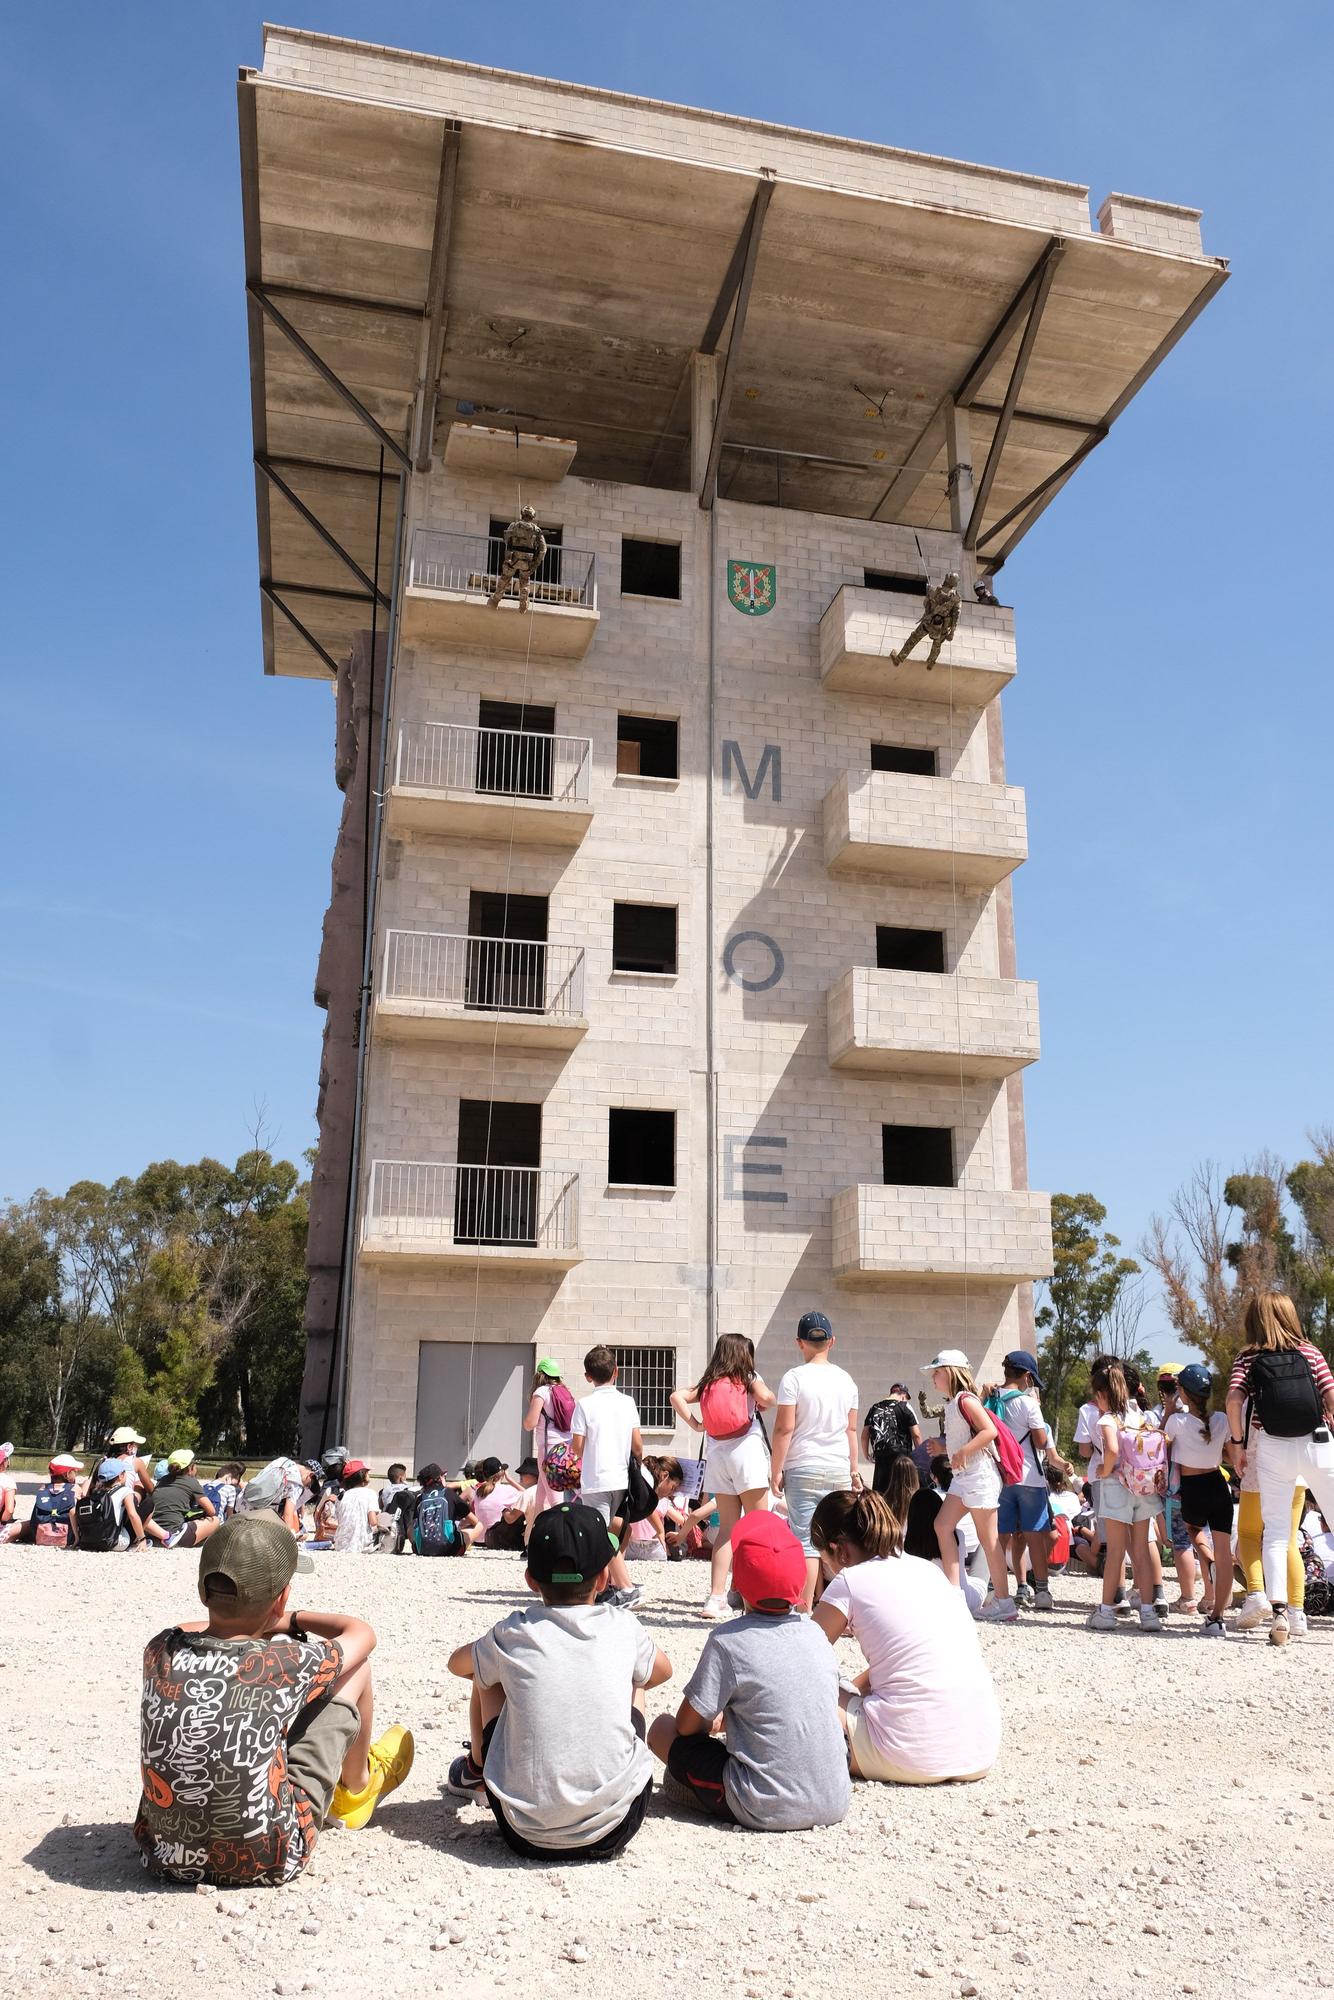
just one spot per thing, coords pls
(958, 1008)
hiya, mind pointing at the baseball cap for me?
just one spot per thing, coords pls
(1172, 1368)
(180, 1459)
(898, 1388)
(767, 1560)
(127, 1434)
(6, 1452)
(569, 1544)
(264, 1492)
(948, 1357)
(161, 1469)
(111, 1468)
(1022, 1362)
(489, 1467)
(255, 1555)
(814, 1327)
(65, 1462)
(549, 1367)
(336, 1456)
(430, 1475)
(355, 1465)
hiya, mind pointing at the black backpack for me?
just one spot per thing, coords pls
(95, 1517)
(1282, 1391)
(641, 1494)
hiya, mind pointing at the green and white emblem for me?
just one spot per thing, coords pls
(752, 587)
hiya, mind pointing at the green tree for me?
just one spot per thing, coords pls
(1222, 1242)
(1311, 1275)
(1082, 1294)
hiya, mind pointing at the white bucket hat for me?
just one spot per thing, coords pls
(948, 1357)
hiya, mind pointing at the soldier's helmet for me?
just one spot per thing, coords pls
(951, 579)
(528, 514)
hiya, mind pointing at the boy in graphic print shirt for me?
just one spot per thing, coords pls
(256, 1722)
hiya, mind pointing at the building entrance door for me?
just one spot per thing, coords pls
(500, 1378)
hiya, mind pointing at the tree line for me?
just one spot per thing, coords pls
(172, 1301)
(1269, 1227)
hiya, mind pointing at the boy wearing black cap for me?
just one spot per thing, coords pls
(256, 1721)
(557, 1710)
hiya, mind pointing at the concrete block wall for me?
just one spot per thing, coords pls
(933, 1014)
(1152, 225)
(899, 809)
(792, 1132)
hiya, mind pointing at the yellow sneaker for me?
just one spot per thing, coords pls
(390, 1758)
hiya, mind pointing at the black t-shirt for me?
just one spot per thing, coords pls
(919, 1534)
(890, 1427)
(174, 1498)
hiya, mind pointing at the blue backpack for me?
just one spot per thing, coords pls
(50, 1512)
(434, 1532)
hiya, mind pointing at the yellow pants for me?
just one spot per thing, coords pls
(1249, 1525)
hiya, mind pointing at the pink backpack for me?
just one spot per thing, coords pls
(1141, 1462)
(724, 1409)
(1008, 1448)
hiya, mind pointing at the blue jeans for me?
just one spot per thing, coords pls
(803, 1489)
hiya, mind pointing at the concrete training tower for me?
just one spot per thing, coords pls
(670, 966)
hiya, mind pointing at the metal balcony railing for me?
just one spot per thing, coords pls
(522, 1208)
(472, 564)
(510, 763)
(509, 975)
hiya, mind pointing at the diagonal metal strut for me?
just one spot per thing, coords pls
(1023, 356)
(437, 318)
(322, 368)
(747, 251)
(312, 520)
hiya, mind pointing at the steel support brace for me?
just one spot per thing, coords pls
(1023, 356)
(326, 373)
(437, 319)
(296, 624)
(748, 250)
(312, 520)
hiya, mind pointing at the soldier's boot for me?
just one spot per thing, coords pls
(897, 659)
(934, 654)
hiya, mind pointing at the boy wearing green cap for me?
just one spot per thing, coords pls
(256, 1721)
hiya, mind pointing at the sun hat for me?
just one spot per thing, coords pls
(948, 1357)
(178, 1460)
(65, 1462)
(127, 1434)
(814, 1327)
(255, 1555)
(6, 1453)
(767, 1560)
(549, 1368)
(569, 1544)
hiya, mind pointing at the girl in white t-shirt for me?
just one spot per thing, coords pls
(970, 1440)
(1197, 1441)
(925, 1710)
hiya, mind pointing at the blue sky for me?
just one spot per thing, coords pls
(169, 813)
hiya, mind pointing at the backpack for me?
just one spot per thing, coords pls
(641, 1494)
(95, 1517)
(725, 1409)
(434, 1532)
(1141, 1462)
(1010, 1453)
(561, 1469)
(1282, 1392)
(560, 1406)
(50, 1513)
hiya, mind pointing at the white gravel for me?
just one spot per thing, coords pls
(1112, 1851)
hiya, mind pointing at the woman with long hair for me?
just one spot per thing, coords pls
(729, 1397)
(970, 1439)
(1280, 1407)
(924, 1712)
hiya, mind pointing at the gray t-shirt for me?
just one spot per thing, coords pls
(565, 1762)
(775, 1681)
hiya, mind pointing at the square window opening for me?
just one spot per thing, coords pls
(650, 569)
(641, 1148)
(646, 747)
(643, 937)
(648, 1374)
(905, 757)
(918, 1155)
(902, 950)
(895, 579)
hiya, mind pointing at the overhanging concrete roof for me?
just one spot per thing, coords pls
(581, 276)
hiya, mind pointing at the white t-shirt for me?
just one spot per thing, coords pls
(1086, 1433)
(489, 1507)
(1068, 1504)
(547, 1431)
(931, 1708)
(824, 1397)
(1190, 1453)
(354, 1534)
(608, 1419)
(1021, 1414)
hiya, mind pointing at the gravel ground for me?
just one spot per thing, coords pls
(1161, 1821)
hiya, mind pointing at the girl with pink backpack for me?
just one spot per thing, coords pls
(550, 1418)
(729, 1396)
(1131, 1466)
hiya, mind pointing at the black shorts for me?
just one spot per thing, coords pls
(603, 1849)
(1206, 1501)
(698, 1763)
(504, 1535)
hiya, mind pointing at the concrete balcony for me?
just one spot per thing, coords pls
(932, 1023)
(490, 784)
(917, 1235)
(450, 577)
(506, 992)
(420, 1211)
(862, 628)
(905, 828)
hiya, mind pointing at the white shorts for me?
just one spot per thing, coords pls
(737, 1465)
(979, 1485)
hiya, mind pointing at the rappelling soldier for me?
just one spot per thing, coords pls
(940, 616)
(525, 547)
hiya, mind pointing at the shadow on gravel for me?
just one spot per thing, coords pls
(98, 1856)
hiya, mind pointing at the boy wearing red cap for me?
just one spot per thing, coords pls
(768, 1686)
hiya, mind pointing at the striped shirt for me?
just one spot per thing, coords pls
(1324, 1381)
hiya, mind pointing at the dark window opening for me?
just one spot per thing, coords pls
(918, 1155)
(893, 579)
(648, 1376)
(496, 1186)
(514, 748)
(506, 963)
(646, 747)
(547, 571)
(643, 937)
(641, 1148)
(650, 569)
(899, 950)
(904, 757)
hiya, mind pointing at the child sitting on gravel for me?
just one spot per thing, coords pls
(255, 1723)
(769, 1681)
(557, 1707)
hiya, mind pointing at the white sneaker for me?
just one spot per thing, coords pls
(715, 1608)
(1212, 1628)
(1042, 1599)
(1149, 1619)
(1134, 1601)
(1255, 1612)
(1102, 1620)
(1000, 1611)
(1296, 1622)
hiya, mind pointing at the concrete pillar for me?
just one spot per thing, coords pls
(959, 458)
(703, 410)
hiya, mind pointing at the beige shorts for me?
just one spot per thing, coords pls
(872, 1762)
(320, 1739)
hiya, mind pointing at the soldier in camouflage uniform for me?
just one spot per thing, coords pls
(940, 616)
(525, 546)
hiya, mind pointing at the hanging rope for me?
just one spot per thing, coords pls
(958, 1009)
